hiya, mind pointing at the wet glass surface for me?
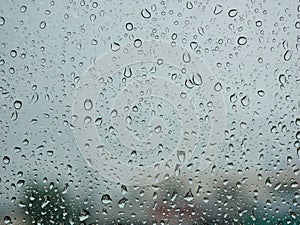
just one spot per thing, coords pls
(150, 112)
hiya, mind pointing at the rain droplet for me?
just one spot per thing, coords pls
(218, 9)
(232, 12)
(84, 215)
(114, 113)
(193, 45)
(260, 93)
(7, 220)
(218, 86)
(183, 95)
(20, 183)
(137, 43)
(287, 55)
(157, 129)
(13, 53)
(50, 153)
(186, 57)
(282, 79)
(122, 203)
(189, 83)
(88, 104)
(92, 17)
(181, 156)
(297, 25)
(2, 21)
(145, 13)
(105, 199)
(129, 26)
(115, 46)
(197, 79)
(127, 72)
(6, 160)
(189, 196)
(245, 101)
(98, 121)
(258, 23)
(189, 5)
(23, 8)
(242, 40)
(18, 104)
(42, 25)
(124, 189)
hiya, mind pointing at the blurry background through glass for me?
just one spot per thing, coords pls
(250, 48)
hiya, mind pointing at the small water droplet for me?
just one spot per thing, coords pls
(145, 13)
(129, 26)
(193, 45)
(287, 55)
(122, 203)
(233, 98)
(6, 160)
(2, 21)
(43, 24)
(84, 215)
(114, 113)
(88, 104)
(181, 156)
(186, 57)
(23, 8)
(189, 196)
(218, 9)
(20, 183)
(174, 76)
(183, 95)
(218, 86)
(105, 199)
(50, 153)
(92, 17)
(242, 40)
(115, 46)
(260, 93)
(7, 220)
(124, 189)
(137, 43)
(282, 78)
(98, 121)
(18, 104)
(127, 72)
(189, 5)
(232, 12)
(157, 129)
(258, 23)
(189, 83)
(197, 79)
(13, 53)
(160, 62)
(245, 101)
